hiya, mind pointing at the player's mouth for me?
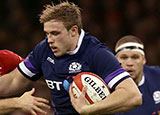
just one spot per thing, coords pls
(131, 72)
(54, 49)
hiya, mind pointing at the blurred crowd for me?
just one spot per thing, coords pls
(111, 19)
(108, 20)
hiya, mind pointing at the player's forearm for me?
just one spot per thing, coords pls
(108, 106)
(5, 81)
(8, 105)
(120, 100)
(5, 111)
(12, 86)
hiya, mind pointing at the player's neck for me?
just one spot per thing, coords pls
(139, 79)
(75, 43)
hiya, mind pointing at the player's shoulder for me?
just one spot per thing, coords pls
(94, 44)
(8, 61)
(6, 54)
(152, 69)
(95, 49)
(42, 44)
(42, 47)
(91, 40)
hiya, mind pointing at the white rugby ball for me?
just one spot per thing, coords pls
(97, 89)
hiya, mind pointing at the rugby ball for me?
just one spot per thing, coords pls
(97, 89)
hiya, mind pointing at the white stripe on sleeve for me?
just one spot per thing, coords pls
(26, 70)
(117, 78)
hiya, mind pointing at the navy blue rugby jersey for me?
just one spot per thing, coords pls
(89, 56)
(150, 89)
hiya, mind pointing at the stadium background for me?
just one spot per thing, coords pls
(108, 20)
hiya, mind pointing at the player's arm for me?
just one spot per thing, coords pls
(125, 97)
(125, 94)
(6, 105)
(26, 103)
(13, 83)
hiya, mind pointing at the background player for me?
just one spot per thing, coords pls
(130, 53)
(67, 51)
(8, 62)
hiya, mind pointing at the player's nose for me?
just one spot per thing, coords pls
(50, 40)
(129, 62)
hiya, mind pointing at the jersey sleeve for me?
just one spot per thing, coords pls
(8, 61)
(31, 66)
(108, 67)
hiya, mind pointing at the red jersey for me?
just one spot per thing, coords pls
(8, 61)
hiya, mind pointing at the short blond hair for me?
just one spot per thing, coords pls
(68, 13)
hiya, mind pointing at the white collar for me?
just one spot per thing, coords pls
(142, 81)
(78, 44)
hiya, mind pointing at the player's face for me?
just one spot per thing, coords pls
(132, 62)
(60, 40)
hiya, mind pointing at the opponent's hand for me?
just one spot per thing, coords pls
(79, 103)
(31, 104)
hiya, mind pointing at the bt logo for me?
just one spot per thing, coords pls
(53, 84)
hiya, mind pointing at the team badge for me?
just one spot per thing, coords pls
(156, 97)
(75, 67)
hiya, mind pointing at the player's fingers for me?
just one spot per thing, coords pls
(33, 112)
(36, 108)
(84, 90)
(39, 99)
(43, 105)
(32, 91)
(70, 91)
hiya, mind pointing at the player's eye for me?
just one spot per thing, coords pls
(123, 57)
(135, 57)
(46, 33)
(55, 33)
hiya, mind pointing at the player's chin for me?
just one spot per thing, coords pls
(58, 54)
(133, 76)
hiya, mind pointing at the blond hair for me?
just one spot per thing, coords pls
(66, 12)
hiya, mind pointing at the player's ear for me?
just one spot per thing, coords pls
(144, 60)
(74, 30)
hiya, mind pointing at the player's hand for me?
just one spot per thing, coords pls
(79, 103)
(31, 104)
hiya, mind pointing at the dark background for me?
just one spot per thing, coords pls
(108, 20)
